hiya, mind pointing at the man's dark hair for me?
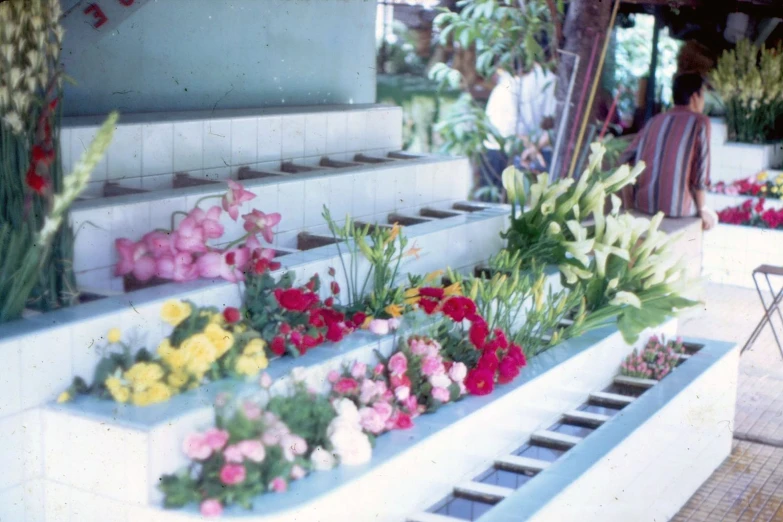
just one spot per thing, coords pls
(685, 86)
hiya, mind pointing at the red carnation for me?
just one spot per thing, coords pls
(489, 361)
(329, 302)
(359, 318)
(335, 288)
(480, 381)
(428, 305)
(277, 346)
(295, 299)
(334, 333)
(35, 181)
(478, 333)
(458, 308)
(432, 293)
(285, 328)
(231, 315)
(403, 422)
(507, 371)
(516, 354)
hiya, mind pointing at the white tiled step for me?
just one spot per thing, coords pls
(431, 517)
(479, 491)
(586, 417)
(635, 381)
(612, 398)
(552, 437)
(516, 462)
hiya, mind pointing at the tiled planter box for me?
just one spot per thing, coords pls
(732, 252)
(731, 161)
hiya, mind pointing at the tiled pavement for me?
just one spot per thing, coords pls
(748, 487)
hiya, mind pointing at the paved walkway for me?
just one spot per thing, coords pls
(748, 487)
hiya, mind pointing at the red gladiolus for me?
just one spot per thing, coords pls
(428, 305)
(231, 315)
(277, 346)
(480, 381)
(311, 285)
(403, 422)
(41, 155)
(335, 288)
(35, 181)
(459, 307)
(433, 293)
(508, 370)
(759, 208)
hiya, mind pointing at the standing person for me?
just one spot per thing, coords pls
(675, 147)
(502, 112)
(537, 106)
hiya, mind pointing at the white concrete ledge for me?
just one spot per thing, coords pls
(516, 462)
(585, 417)
(479, 490)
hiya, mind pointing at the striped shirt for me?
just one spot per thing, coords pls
(675, 146)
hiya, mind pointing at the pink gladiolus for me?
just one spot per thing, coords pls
(252, 450)
(158, 243)
(440, 394)
(371, 421)
(398, 364)
(232, 474)
(134, 259)
(297, 472)
(177, 267)
(216, 438)
(211, 508)
(278, 485)
(257, 221)
(196, 447)
(233, 454)
(208, 221)
(227, 265)
(234, 197)
(189, 237)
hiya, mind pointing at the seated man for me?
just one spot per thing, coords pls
(675, 147)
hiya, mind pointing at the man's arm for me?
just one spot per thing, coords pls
(700, 175)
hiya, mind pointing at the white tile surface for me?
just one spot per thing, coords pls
(316, 196)
(12, 451)
(11, 378)
(270, 130)
(336, 132)
(124, 153)
(356, 128)
(46, 365)
(315, 134)
(341, 195)
(81, 137)
(244, 141)
(293, 136)
(291, 205)
(364, 193)
(217, 143)
(157, 148)
(188, 146)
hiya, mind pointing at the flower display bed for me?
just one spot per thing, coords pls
(555, 381)
(732, 252)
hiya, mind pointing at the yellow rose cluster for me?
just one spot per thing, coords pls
(207, 347)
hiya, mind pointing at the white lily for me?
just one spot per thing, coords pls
(514, 186)
(597, 152)
(553, 229)
(626, 298)
(574, 273)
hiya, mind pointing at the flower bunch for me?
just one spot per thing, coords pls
(419, 369)
(759, 185)
(295, 320)
(656, 361)
(349, 442)
(752, 214)
(183, 253)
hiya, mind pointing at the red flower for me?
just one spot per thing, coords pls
(277, 346)
(459, 307)
(359, 318)
(403, 422)
(399, 380)
(516, 354)
(346, 385)
(759, 208)
(335, 288)
(231, 315)
(480, 381)
(41, 155)
(488, 361)
(498, 342)
(334, 333)
(285, 328)
(35, 181)
(508, 370)
(478, 333)
(432, 293)
(329, 302)
(295, 299)
(308, 341)
(311, 283)
(428, 305)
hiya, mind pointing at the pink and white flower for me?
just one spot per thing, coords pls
(216, 439)
(458, 371)
(402, 393)
(358, 370)
(278, 485)
(134, 259)
(232, 474)
(234, 197)
(257, 221)
(431, 366)
(440, 380)
(379, 326)
(233, 454)
(253, 450)
(228, 265)
(441, 394)
(371, 421)
(196, 447)
(398, 364)
(297, 472)
(211, 508)
(383, 409)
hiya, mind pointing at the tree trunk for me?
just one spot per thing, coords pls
(586, 22)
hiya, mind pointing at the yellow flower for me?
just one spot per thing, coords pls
(177, 380)
(761, 176)
(395, 231)
(413, 251)
(118, 392)
(114, 335)
(217, 319)
(142, 375)
(200, 353)
(779, 179)
(254, 347)
(764, 188)
(774, 190)
(433, 276)
(251, 365)
(174, 311)
(393, 310)
(367, 321)
(158, 392)
(411, 296)
(219, 337)
(64, 397)
(453, 289)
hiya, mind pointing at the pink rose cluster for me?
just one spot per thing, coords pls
(182, 254)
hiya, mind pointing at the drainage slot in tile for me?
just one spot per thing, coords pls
(112, 189)
(131, 284)
(438, 214)
(371, 227)
(184, 180)
(599, 409)
(568, 428)
(539, 451)
(307, 241)
(402, 156)
(362, 158)
(692, 348)
(89, 297)
(504, 477)
(467, 207)
(334, 164)
(586, 419)
(245, 173)
(624, 389)
(406, 221)
(460, 507)
(292, 168)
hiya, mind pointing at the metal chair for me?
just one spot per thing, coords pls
(769, 310)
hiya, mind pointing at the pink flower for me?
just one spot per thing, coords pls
(251, 410)
(380, 388)
(398, 364)
(233, 454)
(196, 447)
(252, 449)
(431, 366)
(297, 472)
(378, 370)
(189, 237)
(732, 190)
(359, 370)
(211, 508)
(440, 394)
(371, 421)
(458, 371)
(227, 265)
(294, 443)
(265, 381)
(346, 385)
(216, 438)
(411, 404)
(278, 485)
(367, 392)
(177, 267)
(379, 326)
(232, 474)
(402, 393)
(134, 258)
(208, 221)
(234, 197)
(418, 347)
(158, 243)
(332, 376)
(257, 221)
(383, 409)
(273, 435)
